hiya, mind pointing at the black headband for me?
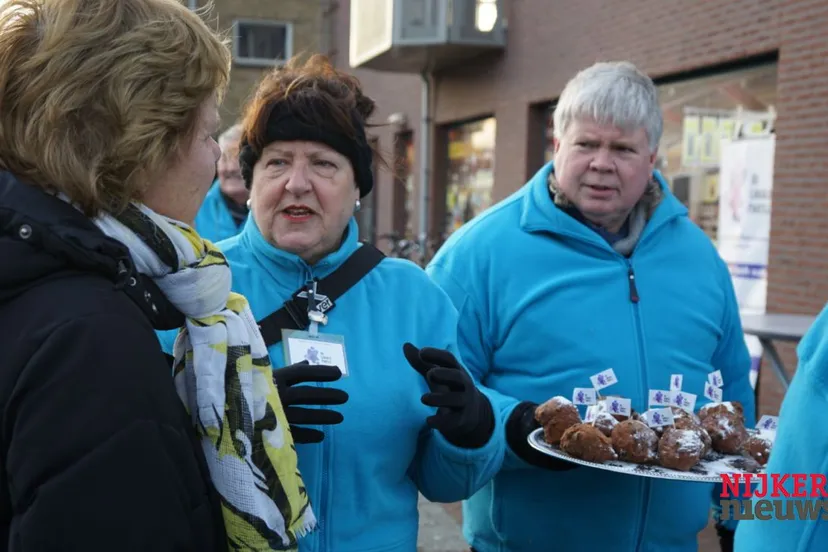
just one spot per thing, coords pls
(283, 125)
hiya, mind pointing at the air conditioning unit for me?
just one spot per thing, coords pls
(423, 35)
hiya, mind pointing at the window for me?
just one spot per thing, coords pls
(261, 43)
(404, 193)
(699, 114)
(367, 215)
(549, 134)
(471, 158)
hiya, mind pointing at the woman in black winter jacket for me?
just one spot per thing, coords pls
(107, 115)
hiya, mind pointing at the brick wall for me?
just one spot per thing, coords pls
(798, 268)
(311, 31)
(550, 40)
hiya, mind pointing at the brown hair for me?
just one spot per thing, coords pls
(97, 97)
(304, 86)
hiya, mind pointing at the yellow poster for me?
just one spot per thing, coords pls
(727, 129)
(711, 188)
(690, 143)
(755, 128)
(709, 141)
(459, 150)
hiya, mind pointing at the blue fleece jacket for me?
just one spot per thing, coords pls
(214, 222)
(801, 447)
(363, 478)
(545, 303)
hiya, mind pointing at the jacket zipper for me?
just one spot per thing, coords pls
(318, 544)
(323, 495)
(634, 299)
(633, 289)
(324, 544)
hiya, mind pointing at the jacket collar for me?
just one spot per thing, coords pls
(42, 237)
(58, 229)
(540, 214)
(278, 262)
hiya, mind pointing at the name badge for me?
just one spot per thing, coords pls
(328, 349)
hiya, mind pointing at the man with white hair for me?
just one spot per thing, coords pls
(592, 265)
(224, 210)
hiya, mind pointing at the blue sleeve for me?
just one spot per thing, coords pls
(732, 359)
(442, 471)
(800, 448)
(475, 345)
(446, 473)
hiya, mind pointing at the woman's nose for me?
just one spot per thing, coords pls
(298, 182)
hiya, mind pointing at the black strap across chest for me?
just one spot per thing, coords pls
(293, 315)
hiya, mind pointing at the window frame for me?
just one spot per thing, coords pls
(261, 62)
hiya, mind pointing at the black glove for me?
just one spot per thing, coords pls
(301, 372)
(464, 415)
(725, 538)
(520, 424)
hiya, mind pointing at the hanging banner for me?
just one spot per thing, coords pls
(745, 187)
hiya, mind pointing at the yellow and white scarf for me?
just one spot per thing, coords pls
(222, 373)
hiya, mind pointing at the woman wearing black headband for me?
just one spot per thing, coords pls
(411, 417)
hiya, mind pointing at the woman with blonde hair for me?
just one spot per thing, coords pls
(107, 115)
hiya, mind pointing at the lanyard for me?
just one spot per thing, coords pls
(315, 316)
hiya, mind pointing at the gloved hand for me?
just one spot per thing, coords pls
(464, 415)
(520, 424)
(286, 378)
(725, 538)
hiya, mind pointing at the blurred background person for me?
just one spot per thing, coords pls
(224, 210)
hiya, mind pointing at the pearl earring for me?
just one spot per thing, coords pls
(357, 206)
(248, 204)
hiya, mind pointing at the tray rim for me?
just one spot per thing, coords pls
(537, 442)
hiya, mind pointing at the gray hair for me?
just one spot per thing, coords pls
(614, 93)
(230, 137)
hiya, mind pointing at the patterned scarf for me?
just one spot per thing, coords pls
(638, 217)
(222, 373)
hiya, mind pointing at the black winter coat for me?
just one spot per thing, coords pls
(97, 449)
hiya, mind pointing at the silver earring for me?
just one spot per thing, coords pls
(248, 204)
(357, 206)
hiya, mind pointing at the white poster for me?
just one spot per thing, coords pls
(745, 186)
